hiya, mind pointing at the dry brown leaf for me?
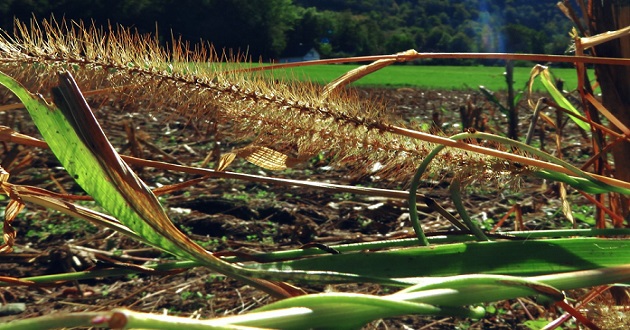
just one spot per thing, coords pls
(225, 161)
(264, 157)
(364, 70)
(10, 212)
(536, 70)
(588, 42)
(9, 135)
(566, 205)
(613, 120)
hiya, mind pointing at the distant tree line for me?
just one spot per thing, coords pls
(266, 28)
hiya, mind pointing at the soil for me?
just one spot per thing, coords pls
(231, 215)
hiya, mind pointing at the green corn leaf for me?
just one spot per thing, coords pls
(72, 139)
(545, 78)
(517, 258)
(492, 98)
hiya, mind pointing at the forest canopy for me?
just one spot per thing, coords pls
(267, 29)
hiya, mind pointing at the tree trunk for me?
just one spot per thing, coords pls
(614, 81)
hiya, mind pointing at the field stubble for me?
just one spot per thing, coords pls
(227, 215)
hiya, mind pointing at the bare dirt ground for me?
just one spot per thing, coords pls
(230, 215)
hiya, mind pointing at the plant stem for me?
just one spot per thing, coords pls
(54, 321)
(459, 205)
(408, 56)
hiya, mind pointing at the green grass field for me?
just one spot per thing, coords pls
(428, 77)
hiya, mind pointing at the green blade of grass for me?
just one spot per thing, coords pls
(340, 310)
(456, 196)
(522, 257)
(352, 310)
(477, 288)
(605, 253)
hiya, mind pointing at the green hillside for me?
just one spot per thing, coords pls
(268, 29)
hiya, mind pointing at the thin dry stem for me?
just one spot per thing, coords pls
(478, 56)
